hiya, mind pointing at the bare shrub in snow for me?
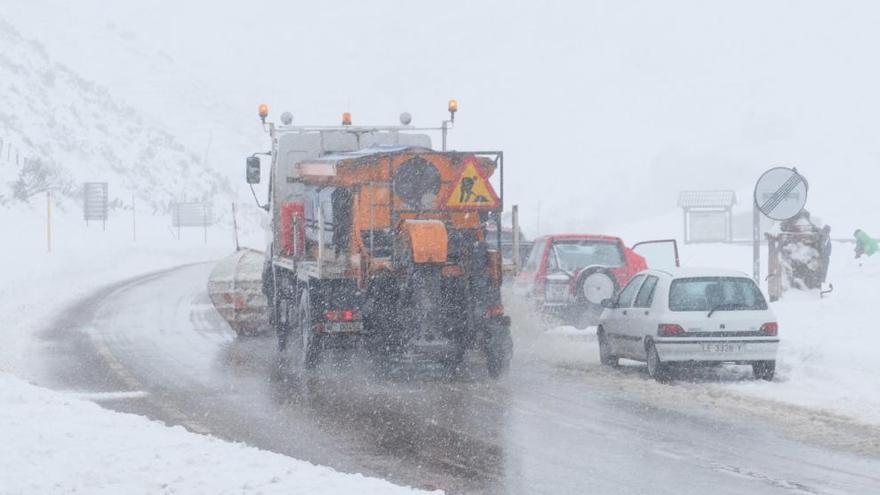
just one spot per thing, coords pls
(37, 176)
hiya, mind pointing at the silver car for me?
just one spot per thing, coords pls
(689, 315)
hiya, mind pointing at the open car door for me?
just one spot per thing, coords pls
(661, 254)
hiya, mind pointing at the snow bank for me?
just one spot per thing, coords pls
(37, 284)
(828, 356)
(54, 443)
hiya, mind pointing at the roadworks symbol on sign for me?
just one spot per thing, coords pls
(472, 189)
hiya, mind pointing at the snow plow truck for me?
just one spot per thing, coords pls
(378, 244)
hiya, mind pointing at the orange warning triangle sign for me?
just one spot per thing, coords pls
(472, 189)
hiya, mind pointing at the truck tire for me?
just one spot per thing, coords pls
(281, 312)
(454, 359)
(498, 349)
(311, 343)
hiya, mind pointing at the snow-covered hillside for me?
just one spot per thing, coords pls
(59, 130)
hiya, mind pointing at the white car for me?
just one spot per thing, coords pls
(689, 315)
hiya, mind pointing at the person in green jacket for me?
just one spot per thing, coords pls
(865, 244)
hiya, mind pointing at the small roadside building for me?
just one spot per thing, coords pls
(708, 215)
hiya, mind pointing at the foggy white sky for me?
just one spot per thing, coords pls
(606, 109)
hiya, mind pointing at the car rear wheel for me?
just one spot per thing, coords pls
(657, 369)
(606, 357)
(764, 370)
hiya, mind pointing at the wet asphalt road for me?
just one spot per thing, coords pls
(539, 430)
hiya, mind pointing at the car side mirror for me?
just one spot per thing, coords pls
(608, 303)
(253, 170)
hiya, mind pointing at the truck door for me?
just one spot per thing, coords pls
(661, 254)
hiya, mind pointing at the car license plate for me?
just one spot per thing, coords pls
(557, 292)
(721, 347)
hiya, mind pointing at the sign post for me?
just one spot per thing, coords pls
(191, 215)
(95, 202)
(134, 232)
(235, 228)
(756, 243)
(515, 227)
(49, 221)
(780, 194)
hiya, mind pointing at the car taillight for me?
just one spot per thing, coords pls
(770, 328)
(339, 315)
(669, 330)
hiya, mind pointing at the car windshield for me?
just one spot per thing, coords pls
(574, 254)
(713, 293)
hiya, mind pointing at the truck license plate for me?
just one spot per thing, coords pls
(722, 347)
(343, 327)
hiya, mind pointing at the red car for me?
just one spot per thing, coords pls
(568, 275)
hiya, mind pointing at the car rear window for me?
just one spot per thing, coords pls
(708, 293)
(574, 254)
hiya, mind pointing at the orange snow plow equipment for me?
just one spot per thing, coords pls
(427, 240)
(235, 289)
(418, 194)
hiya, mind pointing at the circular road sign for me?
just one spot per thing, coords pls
(781, 193)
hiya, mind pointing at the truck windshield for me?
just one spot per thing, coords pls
(708, 293)
(574, 254)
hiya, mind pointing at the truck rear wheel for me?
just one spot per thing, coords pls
(454, 358)
(311, 342)
(281, 312)
(498, 348)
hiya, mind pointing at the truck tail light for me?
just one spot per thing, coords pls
(669, 330)
(770, 328)
(452, 271)
(340, 315)
(495, 310)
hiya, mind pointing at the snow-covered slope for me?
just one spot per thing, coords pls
(160, 73)
(57, 443)
(59, 130)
